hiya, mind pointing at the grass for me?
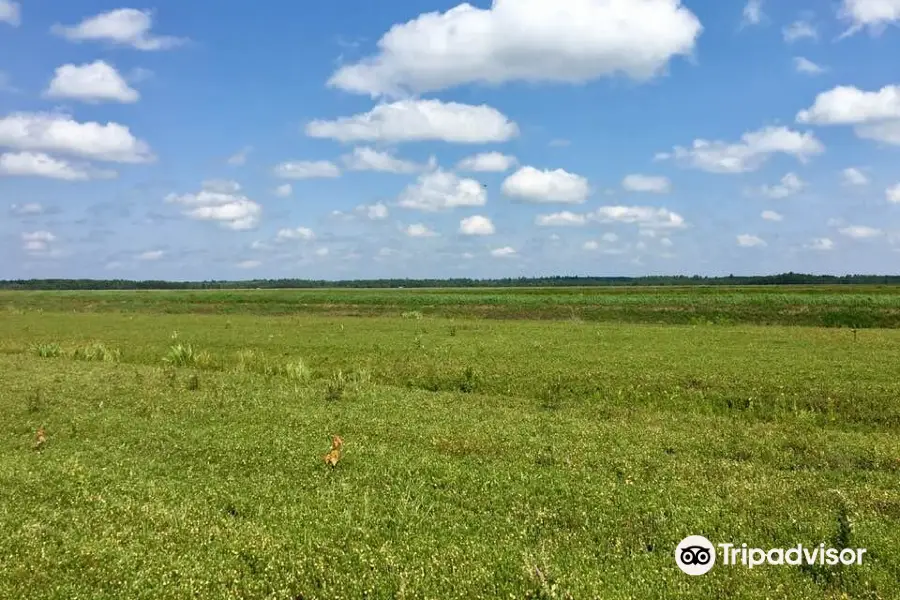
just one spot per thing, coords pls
(498, 458)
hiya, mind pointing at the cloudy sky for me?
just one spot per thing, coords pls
(424, 138)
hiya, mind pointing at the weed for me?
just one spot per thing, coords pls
(412, 314)
(51, 350)
(97, 352)
(193, 382)
(469, 381)
(184, 355)
(335, 387)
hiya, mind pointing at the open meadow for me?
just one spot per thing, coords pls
(541, 443)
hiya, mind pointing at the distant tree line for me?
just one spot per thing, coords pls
(560, 281)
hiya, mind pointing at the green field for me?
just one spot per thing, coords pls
(541, 443)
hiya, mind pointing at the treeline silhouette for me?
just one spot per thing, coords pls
(560, 281)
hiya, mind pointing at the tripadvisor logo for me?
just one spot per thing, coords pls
(696, 555)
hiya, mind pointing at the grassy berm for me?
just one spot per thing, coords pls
(483, 458)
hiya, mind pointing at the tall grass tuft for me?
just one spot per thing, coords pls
(252, 361)
(51, 350)
(97, 352)
(184, 355)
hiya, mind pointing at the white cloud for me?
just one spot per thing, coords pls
(505, 252)
(561, 219)
(230, 210)
(38, 164)
(284, 191)
(887, 132)
(91, 82)
(307, 169)
(420, 120)
(248, 264)
(861, 232)
(771, 215)
(610, 237)
(27, 210)
(373, 212)
(822, 244)
(441, 190)
(848, 105)
(299, 233)
(754, 149)
(418, 230)
(488, 162)
(808, 67)
(10, 13)
(874, 14)
(591, 245)
(239, 159)
(122, 27)
(322, 252)
(525, 40)
(746, 240)
(37, 242)
(477, 225)
(790, 184)
(647, 183)
(222, 186)
(59, 133)
(893, 194)
(643, 216)
(370, 159)
(547, 187)
(799, 30)
(151, 255)
(854, 176)
(753, 14)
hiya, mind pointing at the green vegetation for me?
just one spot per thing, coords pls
(561, 456)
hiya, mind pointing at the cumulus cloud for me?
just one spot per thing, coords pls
(304, 234)
(488, 162)
(645, 217)
(771, 215)
(222, 186)
(284, 191)
(848, 105)
(442, 190)
(789, 185)
(854, 176)
(10, 13)
(51, 132)
(307, 169)
(561, 219)
(747, 240)
(525, 40)
(92, 82)
(546, 187)
(239, 159)
(419, 120)
(799, 30)
(893, 194)
(821, 244)
(807, 67)
(151, 255)
(871, 14)
(230, 209)
(647, 183)
(121, 27)
(38, 242)
(505, 252)
(875, 115)
(754, 149)
(753, 14)
(370, 159)
(38, 164)
(418, 230)
(860, 232)
(248, 264)
(28, 209)
(477, 225)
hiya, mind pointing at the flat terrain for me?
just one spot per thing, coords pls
(499, 443)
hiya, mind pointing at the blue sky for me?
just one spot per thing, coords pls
(211, 140)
